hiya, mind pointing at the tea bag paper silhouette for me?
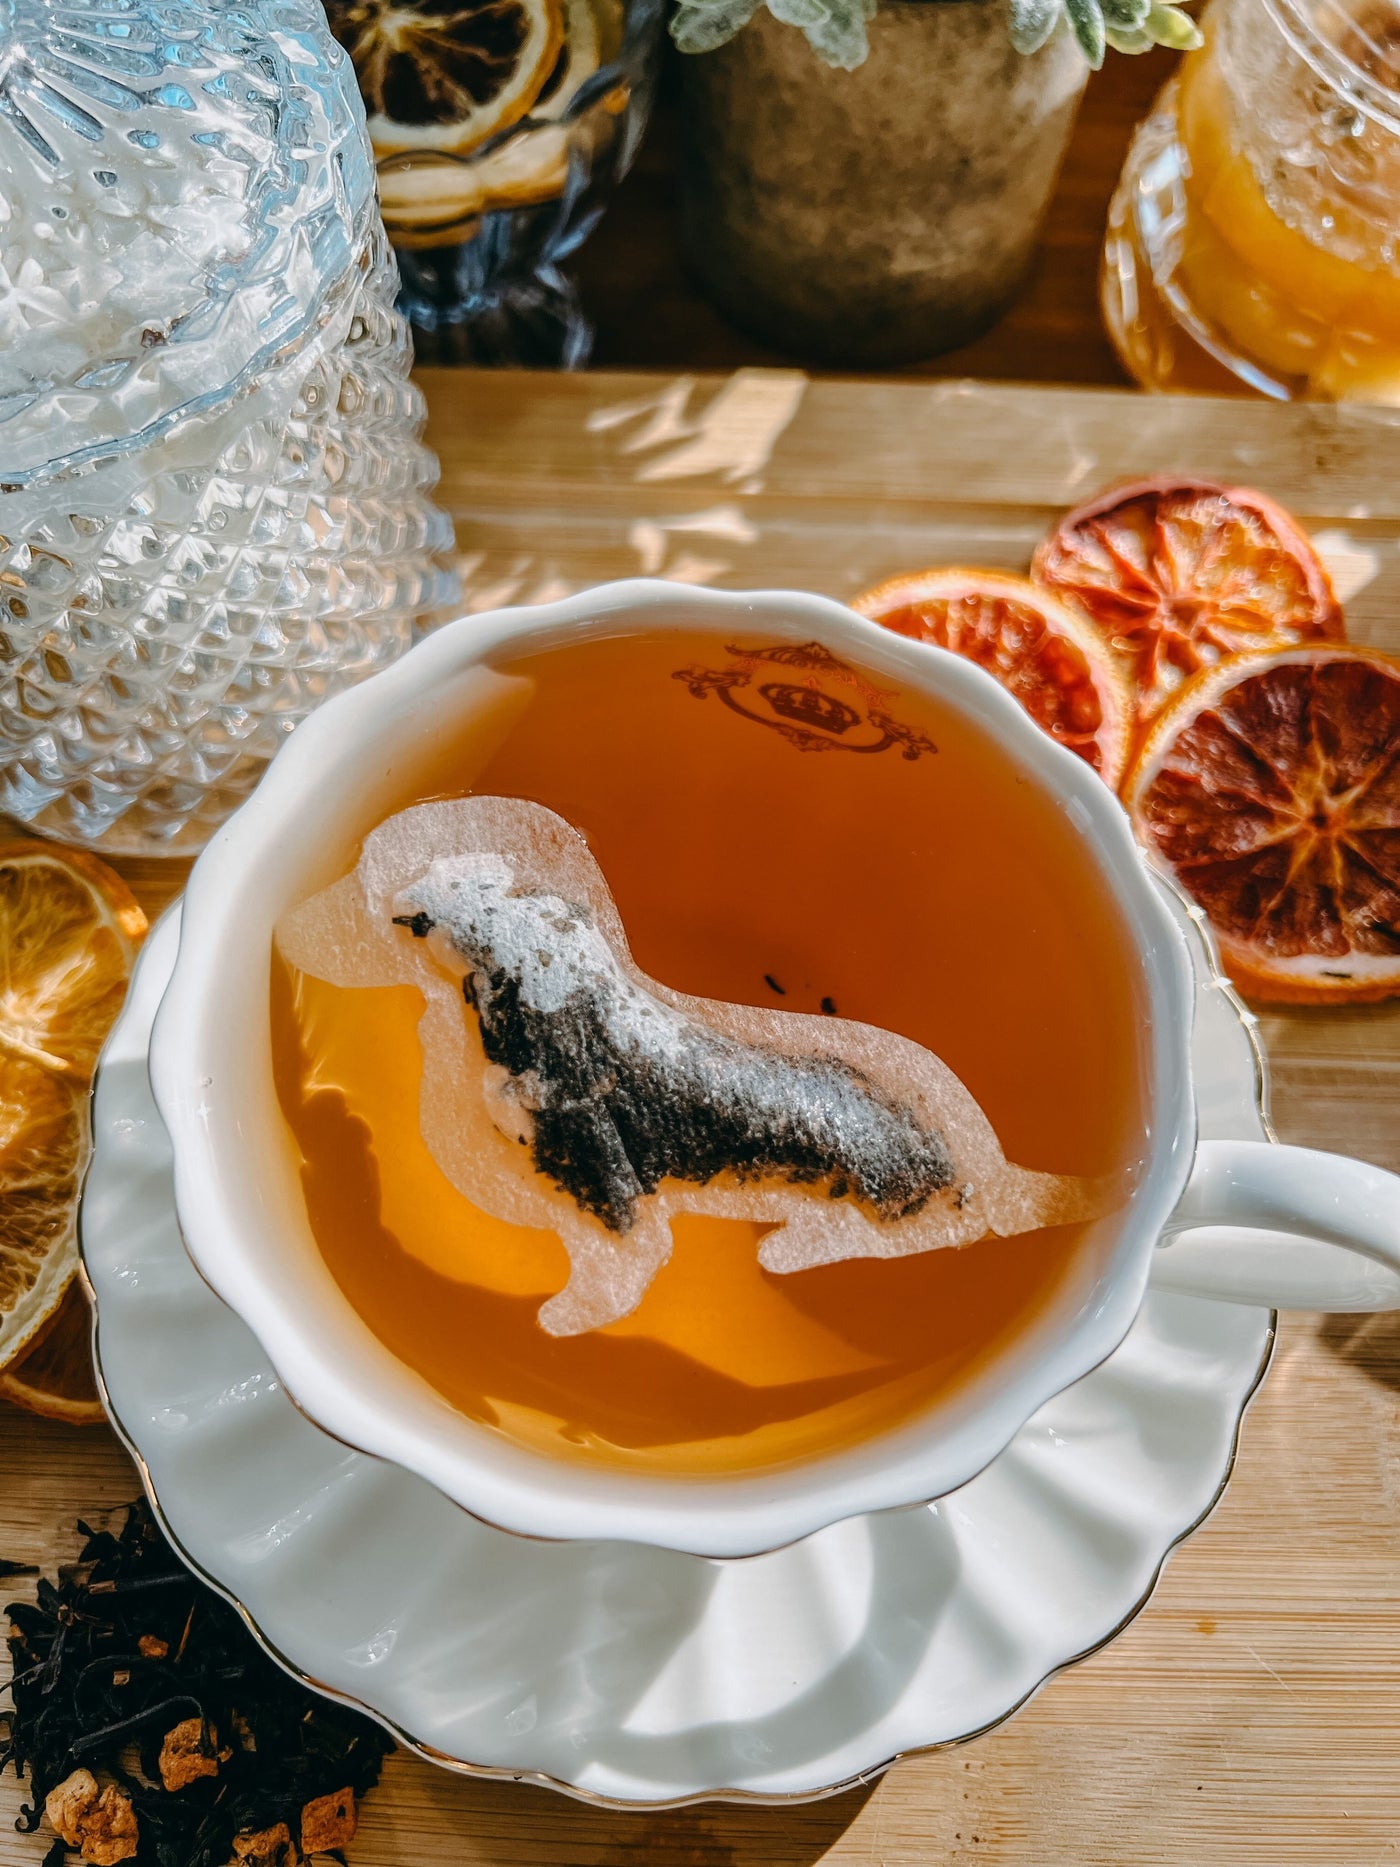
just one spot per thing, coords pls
(563, 1088)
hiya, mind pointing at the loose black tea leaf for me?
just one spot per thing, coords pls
(158, 1730)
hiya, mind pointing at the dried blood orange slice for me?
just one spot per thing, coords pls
(1178, 574)
(1055, 664)
(1271, 787)
(68, 934)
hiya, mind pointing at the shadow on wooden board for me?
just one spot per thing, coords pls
(478, 1824)
(1370, 1344)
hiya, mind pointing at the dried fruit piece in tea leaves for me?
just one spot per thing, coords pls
(154, 1728)
(96, 1818)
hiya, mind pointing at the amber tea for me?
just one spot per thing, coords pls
(731, 1074)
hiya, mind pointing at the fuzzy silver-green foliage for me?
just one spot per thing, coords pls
(1126, 25)
(836, 28)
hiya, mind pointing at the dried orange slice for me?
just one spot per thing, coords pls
(43, 1147)
(1178, 574)
(69, 930)
(1271, 787)
(1054, 662)
(446, 74)
(429, 199)
(53, 1376)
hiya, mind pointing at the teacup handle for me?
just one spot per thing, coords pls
(1261, 1223)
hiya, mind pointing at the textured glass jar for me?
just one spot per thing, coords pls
(214, 498)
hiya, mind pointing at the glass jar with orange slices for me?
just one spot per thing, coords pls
(499, 129)
(1254, 239)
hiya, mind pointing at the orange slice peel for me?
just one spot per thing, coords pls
(53, 1376)
(1177, 574)
(1055, 663)
(1270, 787)
(69, 930)
(445, 75)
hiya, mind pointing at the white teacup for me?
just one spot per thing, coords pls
(241, 1207)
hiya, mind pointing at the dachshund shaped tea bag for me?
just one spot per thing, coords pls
(563, 1088)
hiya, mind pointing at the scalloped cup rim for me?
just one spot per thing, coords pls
(328, 1360)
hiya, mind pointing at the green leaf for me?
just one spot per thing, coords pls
(701, 25)
(1086, 17)
(840, 38)
(1033, 21)
(1168, 25)
(803, 13)
(1126, 15)
(835, 29)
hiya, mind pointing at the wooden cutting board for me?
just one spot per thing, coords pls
(1251, 1716)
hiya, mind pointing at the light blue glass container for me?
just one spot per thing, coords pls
(214, 498)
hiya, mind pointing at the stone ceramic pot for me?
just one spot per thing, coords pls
(880, 215)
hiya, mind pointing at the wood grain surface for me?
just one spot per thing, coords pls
(1249, 1717)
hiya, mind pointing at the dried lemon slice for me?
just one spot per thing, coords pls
(446, 74)
(53, 1377)
(428, 200)
(68, 934)
(43, 1143)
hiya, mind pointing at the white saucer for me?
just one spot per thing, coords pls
(636, 1676)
